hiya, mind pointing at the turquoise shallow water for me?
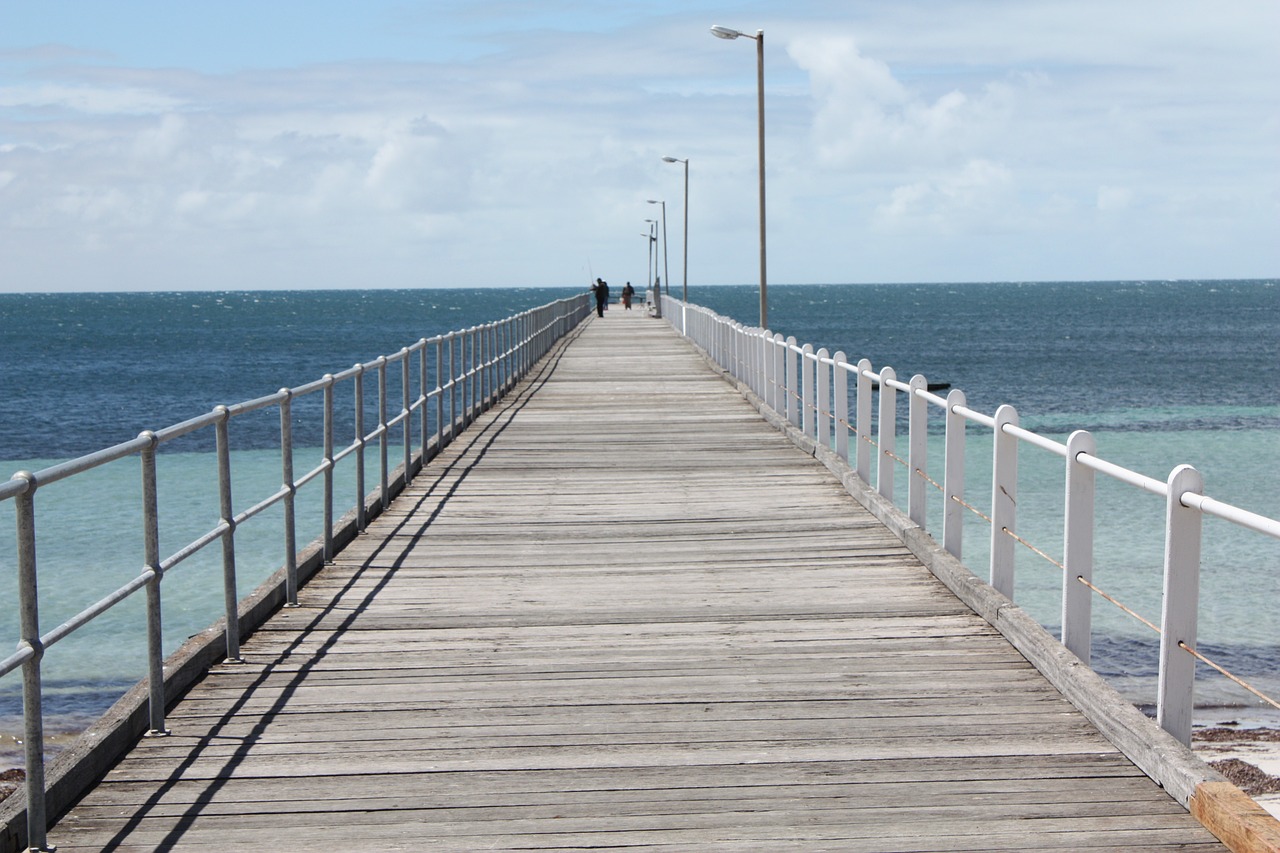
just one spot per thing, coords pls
(1163, 373)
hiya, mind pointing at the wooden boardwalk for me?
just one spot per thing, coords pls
(622, 611)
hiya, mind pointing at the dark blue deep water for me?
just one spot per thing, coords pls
(88, 370)
(1208, 351)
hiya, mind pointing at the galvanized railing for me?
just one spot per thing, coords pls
(467, 371)
(811, 390)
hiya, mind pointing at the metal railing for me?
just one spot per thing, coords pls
(810, 389)
(467, 370)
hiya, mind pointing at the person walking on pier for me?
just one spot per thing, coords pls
(601, 288)
(627, 293)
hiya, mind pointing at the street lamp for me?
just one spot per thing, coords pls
(686, 220)
(666, 274)
(649, 250)
(651, 255)
(726, 33)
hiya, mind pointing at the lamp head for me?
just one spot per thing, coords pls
(724, 32)
(670, 160)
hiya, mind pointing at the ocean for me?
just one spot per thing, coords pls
(1162, 372)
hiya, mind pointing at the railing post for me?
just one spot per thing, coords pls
(464, 378)
(823, 409)
(739, 343)
(32, 700)
(863, 431)
(151, 556)
(439, 394)
(460, 383)
(1077, 548)
(424, 425)
(840, 404)
(887, 432)
(724, 352)
(513, 352)
(741, 352)
(771, 373)
(953, 482)
(1004, 500)
(792, 383)
(755, 348)
(328, 467)
(362, 519)
(917, 450)
(733, 344)
(807, 374)
(407, 426)
(473, 376)
(1176, 691)
(382, 432)
(732, 360)
(504, 356)
(499, 360)
(290, 530)
(486, 366)
(777, 373)
(453, 390)
(230, 596)
(491, 365)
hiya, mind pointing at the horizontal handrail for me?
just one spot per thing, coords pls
(188, 426)
(1124, 475)
(88, 462)
(975, 416)
(1055, 447)
(1233, 514)
(101, 606)
(195, 546)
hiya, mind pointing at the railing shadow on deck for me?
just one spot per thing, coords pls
(805, 393)
(472, 369)
(477, 443)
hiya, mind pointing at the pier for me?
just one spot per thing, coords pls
(623, 609)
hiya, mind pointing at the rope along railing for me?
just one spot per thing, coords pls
(810, 389)
(469, 370)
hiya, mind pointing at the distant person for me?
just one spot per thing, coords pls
(627, 292)
(601, 289)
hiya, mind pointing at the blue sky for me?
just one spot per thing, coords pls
(180, 145)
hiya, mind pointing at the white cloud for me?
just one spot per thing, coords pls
(1012, 122)
(420, 168)
(1114, 198)
(89, 99)
(980, 196)
(163, 140)
(863, 113)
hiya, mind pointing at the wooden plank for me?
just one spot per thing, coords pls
(622, 610)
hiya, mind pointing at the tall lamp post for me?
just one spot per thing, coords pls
(649, 251)
(651, 256)
(726, 33)
(665, 271)
(686, 220)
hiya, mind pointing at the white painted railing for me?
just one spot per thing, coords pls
(810, 390)
(459, 375)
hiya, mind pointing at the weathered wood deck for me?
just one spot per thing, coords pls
(622, 610)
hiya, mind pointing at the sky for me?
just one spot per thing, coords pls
(165, 145)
